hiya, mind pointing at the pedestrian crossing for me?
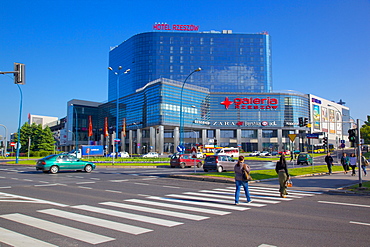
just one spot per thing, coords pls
(136, 216)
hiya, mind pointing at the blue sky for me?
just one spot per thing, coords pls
(318, 46)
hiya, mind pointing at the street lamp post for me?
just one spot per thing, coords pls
(19, 124)
(76, 126)
(118, 74)
(181, 112)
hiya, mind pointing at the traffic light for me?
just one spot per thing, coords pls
(352, 135)
(215, 142)
(19, 73)
(325, 141)
(305, 122)
(300, 121)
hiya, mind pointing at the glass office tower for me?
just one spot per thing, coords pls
(229, 62)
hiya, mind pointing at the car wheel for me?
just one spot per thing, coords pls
(182, 165)
(219, 169)
(205, 170)
(199, 165)
(88, 168)
(54, 169)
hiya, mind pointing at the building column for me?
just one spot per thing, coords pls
(239, 137)
(152, 139)
(176, 138)
(259, 138)
(160, 139)
(204, 137)
(218, 136)
(138, 141)
(280, 139)
(130, 142)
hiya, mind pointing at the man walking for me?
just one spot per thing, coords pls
(329, 162)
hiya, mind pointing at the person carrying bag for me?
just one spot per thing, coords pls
(282, 171)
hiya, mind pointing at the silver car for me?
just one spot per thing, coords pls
(218, 163)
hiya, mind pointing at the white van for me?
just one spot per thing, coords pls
(233, 152)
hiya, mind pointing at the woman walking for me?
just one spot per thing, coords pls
(345, 163)
(282, 170)
(239, 168)
(364, 164)
(352, 164)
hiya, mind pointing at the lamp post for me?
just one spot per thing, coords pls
(118, 74)
(6, 142)
(76, 126)
(181, 113)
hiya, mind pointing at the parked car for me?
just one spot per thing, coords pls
(285, 152)
(57, 162)
(304, 159)
(274, 153)
(218, 163)
(151, 155)
(264, 153)
(123, 154)
(255, 153)
(184, 160)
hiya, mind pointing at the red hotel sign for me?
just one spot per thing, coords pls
(251, 103)
(165, 26)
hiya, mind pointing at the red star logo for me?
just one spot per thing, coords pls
(226, 103)
(240, 123)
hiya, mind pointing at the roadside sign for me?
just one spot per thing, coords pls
(312, 136)
(342, 145)
(342, 141)
(117, 140)
(180, 148)
(12, 144)
(292, 137)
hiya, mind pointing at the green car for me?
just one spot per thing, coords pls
(56, 162)
(304, 159)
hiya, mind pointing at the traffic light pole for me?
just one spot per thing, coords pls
(359, 154)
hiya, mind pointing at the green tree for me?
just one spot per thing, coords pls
(365, 131)
(39, 138)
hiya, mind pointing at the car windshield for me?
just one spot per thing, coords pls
(210, 158)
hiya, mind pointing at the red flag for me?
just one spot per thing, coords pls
(124, 127)
(90, 127)
(106, 126)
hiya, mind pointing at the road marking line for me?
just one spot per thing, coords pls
(96, 221)
(118, 181)
(156, 211)
(141, 184)
(257, 196)
(360, 223)
(6, 187)
(17, 239)
(137, 217)
(86, 182)
(83, 187)
(40, 185)
(166, 205)
(33, 200)
(114, 191)
(95, 178)
(173, 187)
(277, 189)
(55, 228)
(346, 204)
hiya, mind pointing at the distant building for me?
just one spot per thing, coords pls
(43, 120)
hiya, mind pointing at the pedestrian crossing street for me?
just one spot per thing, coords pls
(120, 217)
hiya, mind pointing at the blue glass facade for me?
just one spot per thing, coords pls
(229, 62)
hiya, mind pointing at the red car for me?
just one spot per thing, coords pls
(184, 160)
(286, 152)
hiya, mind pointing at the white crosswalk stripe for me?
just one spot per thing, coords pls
(155, 211)
(17, 239)
(85, 236)
(137, 217)
(97, 222)
(197, 206)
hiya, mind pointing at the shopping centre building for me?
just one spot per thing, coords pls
(229, 102)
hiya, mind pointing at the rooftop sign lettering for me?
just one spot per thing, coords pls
(251, 103)
(165, 26)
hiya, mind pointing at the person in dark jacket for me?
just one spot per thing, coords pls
(329, 162)
(345, 163)
(282, 170)
(239, 181)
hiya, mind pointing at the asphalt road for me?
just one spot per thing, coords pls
(143, 207)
